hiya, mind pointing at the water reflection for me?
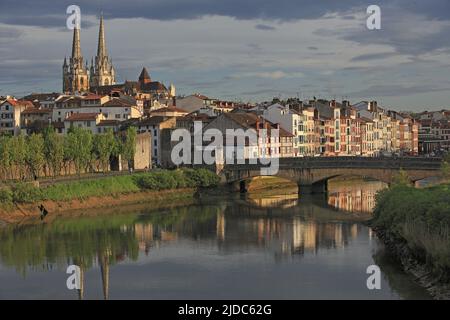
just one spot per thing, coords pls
(218, 233)
(354, 197)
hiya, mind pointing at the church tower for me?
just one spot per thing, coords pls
(75, 73)
(102, 70)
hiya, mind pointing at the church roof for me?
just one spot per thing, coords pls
(144, 75)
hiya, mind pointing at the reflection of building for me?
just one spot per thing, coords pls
(220, 226)
(355, 198)
(144, 235)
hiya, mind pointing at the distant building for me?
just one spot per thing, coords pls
(77, 77)
(10, 115)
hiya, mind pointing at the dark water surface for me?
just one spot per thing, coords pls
(268, 247)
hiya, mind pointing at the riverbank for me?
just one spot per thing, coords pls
(414, 225)
(21, 201)
(29, 212)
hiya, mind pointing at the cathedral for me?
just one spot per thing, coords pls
(77, 77)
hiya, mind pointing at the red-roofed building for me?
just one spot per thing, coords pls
(10, 114)
(88, 121)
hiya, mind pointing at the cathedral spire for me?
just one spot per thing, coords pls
(76, 46)
(101, 50)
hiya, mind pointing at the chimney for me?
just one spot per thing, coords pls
(346, 103)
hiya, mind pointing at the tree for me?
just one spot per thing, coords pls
(18, 153)
(129, 145)
(105, 146)
(53, 150)
(401, 178)
(35, 154)
(79, 147)
(446, 166)
(5, 154)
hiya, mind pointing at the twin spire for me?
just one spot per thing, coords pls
(101, 71)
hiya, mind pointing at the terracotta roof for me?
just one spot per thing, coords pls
(19, 103)
(152, 121)
(82, 117)
(36, 110)
(108, 123)
(169, 109)
(117, 102)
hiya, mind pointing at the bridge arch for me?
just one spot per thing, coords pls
(311, 175)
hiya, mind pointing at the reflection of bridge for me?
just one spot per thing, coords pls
(312, 174)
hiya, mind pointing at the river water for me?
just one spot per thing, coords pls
(257, 246)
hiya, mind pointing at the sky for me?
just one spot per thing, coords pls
(247, 50)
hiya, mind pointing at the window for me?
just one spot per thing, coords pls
(117, 116)
(88, 123)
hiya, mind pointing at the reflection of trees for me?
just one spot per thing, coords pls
(67, 241)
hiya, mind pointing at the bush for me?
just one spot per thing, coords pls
(26, 193)
(201, 178)
(6, 195)
(421, 218)
(185, 178)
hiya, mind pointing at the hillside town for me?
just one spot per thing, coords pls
(92, 99)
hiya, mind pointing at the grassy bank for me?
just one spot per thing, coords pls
(110, 186)
(420, 218)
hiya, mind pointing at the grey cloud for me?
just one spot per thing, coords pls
(265, 27)
(30, 12)
(373, 56)
(392, 90)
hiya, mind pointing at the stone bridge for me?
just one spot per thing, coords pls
(312, 174)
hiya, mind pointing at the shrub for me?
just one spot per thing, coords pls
(6, 195)
(201, 178)
(26, 193)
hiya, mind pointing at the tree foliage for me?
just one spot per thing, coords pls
(35, 154)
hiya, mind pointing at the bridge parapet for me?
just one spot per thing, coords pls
(313, 173)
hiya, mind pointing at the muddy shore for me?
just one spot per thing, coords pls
(19, 213)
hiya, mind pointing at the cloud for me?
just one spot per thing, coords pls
(274, 75)
(29, 12)
(373, 56)
(265, 27)
(392, 90)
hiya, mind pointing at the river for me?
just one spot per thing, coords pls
(257, 246)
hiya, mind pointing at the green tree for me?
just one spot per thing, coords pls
(129, 145)
(18, 154)
(446, 166)
(5, 155)
(35, 154)
(105, 146)
(53, 150)
(401, 178)
(79, 147)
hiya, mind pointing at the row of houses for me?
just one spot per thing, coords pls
(305, 128)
